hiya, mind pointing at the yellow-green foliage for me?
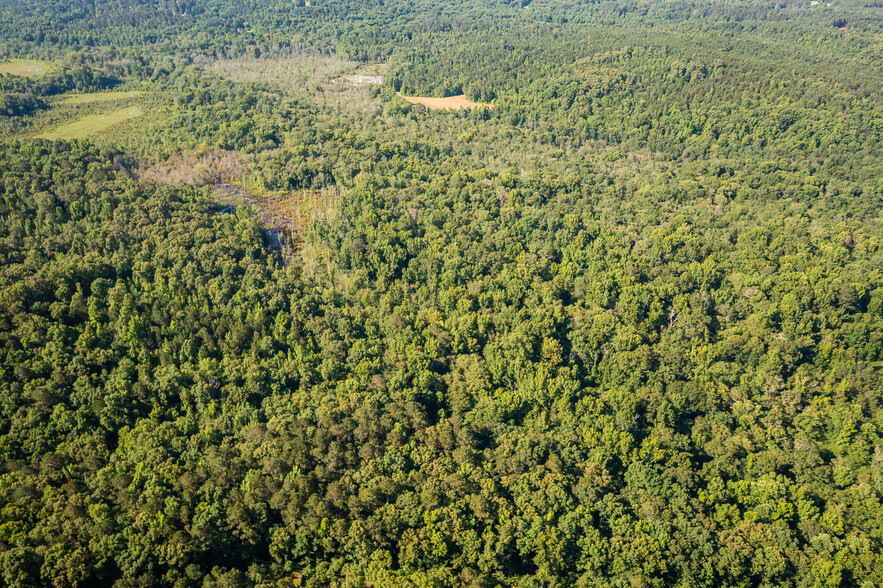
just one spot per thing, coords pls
(92, 125)
(98, 97)
(30, 68)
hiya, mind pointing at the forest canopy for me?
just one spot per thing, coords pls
(265, 323)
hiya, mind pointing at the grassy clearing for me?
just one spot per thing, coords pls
(92, 125)
(451, 102)
(29, 68)
(99, 97)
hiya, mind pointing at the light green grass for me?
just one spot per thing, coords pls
(98, 97)
(92, 125)
(25, 67)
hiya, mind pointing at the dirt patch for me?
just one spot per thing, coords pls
(451, 102)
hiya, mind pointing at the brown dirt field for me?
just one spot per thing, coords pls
(451, 102)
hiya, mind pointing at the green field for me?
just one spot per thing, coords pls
(98, 97)
(92, 125)
(25, 67)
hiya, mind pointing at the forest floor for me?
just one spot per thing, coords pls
(451, 102)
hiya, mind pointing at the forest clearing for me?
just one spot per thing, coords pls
(29, 68)
(91, 125)
(99, 97)
(449, 103)
(367, 74)
(276, 209)
(285, 215)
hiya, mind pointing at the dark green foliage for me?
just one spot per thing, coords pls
(624, 329)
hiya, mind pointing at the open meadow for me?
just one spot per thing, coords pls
(92, 125)
(98, 97)
(29, 68)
